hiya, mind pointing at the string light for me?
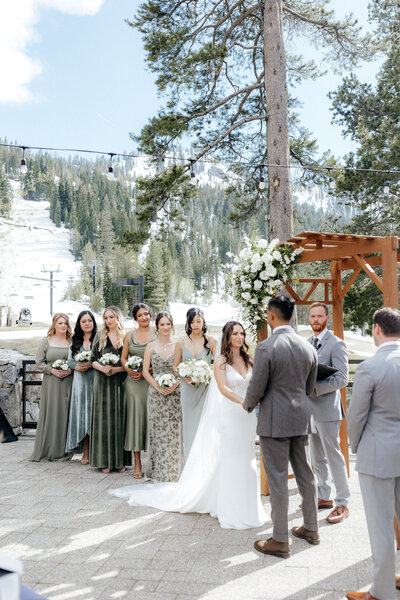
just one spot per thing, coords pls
(310, 167)
(386, 189)
(332, 183)
(192, 173)
(261, 184)
(23, 168)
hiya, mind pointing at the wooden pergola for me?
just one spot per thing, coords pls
(345, 252)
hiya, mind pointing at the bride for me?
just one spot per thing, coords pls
(220, 476)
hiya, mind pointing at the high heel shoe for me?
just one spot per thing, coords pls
(105, 471)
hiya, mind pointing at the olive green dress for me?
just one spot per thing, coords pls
(136, 402)
(54, 406)
(107, 432)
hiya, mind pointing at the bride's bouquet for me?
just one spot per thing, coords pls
(198, 371)
(83, 356)
(166, 380)
(60, 365)
(134, 363)
(109, 359)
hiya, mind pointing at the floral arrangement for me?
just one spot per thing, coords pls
(134, 363)
(109, 359)
(199, 371)
(60, 365)
(166, 380)
(257, 273)
(83, 356)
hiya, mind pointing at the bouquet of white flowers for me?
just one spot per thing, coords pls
(166, 380)
(109, 359)
(258, 272)
(135, 363)
(83, 356)
(60, 365)
(199, 371)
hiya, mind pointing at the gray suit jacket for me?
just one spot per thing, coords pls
(284, 372)
(325, 401)
(374, 413)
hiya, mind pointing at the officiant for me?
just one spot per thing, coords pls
(327, 410)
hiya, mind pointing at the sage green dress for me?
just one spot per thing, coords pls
(54, 406)
(107, 432)
(80, 408)
(192, 400)
(136, 402)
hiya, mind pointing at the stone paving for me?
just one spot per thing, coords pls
(77, 542)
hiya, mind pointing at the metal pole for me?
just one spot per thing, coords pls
(51, 293)
(94, 278)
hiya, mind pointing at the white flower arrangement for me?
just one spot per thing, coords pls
(135, 363)
(166, 380)
(257, 273)
(83, 356)
(60, 365)
(109, 359)
(199, 371)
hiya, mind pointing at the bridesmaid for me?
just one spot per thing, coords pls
(136, 387)
(199, 345)
(55, 393)
(107, 430)
(80, 408)
(163, 405)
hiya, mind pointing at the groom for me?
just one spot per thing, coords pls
(284, 373)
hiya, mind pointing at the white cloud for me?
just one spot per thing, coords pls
(17, 34)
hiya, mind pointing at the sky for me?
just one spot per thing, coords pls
(73, 75)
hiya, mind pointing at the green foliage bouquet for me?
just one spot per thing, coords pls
(257, 273)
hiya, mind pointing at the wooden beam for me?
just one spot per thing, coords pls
(349, 264)
(262, 334)
(341, 252)
(312, 279)
(310, 291)
(369, 271)
(292, 292)
(349, 282)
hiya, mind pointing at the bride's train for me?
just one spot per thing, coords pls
(220, 475)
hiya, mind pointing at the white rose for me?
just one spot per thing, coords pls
(263, 275)
(270, 269)
(254, 301)
(277, 283)
(258, 284)
(287, 260)
(262, 243)
(246, 296)
(229, 254)
(277, 255)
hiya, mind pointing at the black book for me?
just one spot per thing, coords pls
(324, 371)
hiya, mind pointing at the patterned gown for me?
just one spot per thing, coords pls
(164, 426)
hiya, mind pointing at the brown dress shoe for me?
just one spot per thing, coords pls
(273, 547)
(338, 514)
(397, 582)
(312, 537)
(324, 504)
(360, 596)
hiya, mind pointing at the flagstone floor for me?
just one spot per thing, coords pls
(77, 542)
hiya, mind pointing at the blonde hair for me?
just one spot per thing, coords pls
(52, 329)
(319, 304)
(105, 330)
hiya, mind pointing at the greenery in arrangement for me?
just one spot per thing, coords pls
(258, 272)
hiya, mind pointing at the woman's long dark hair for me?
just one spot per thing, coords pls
(190, 315)
(138, 306)
(162, 314)
(226, 349)
(77, 338)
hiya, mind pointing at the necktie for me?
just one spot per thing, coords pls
(316, 343)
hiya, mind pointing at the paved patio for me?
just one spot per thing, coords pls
(77, 542)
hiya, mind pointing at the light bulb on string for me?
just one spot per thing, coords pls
(332, 183)
(23, 168)
(192, 173)
(386, 188)
(110, 173)
(261, 184)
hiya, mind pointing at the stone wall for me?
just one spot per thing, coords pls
(11, 389)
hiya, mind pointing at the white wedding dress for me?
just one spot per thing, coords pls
(220, 475)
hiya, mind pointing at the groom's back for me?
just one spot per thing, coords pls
(289, 364)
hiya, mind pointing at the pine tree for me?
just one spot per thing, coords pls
(155, 277)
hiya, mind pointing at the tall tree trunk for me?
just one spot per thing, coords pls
(280, 188)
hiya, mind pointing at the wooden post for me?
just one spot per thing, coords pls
(262, 334)
(338, 329)
(389, 272)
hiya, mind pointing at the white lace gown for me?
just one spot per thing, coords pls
(220, 475)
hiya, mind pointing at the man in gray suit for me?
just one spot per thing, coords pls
(284, 372)
(326, 407)
(374, 432)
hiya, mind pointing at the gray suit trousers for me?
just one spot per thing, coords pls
(276, 455)
(329, 463)
(381, 498)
